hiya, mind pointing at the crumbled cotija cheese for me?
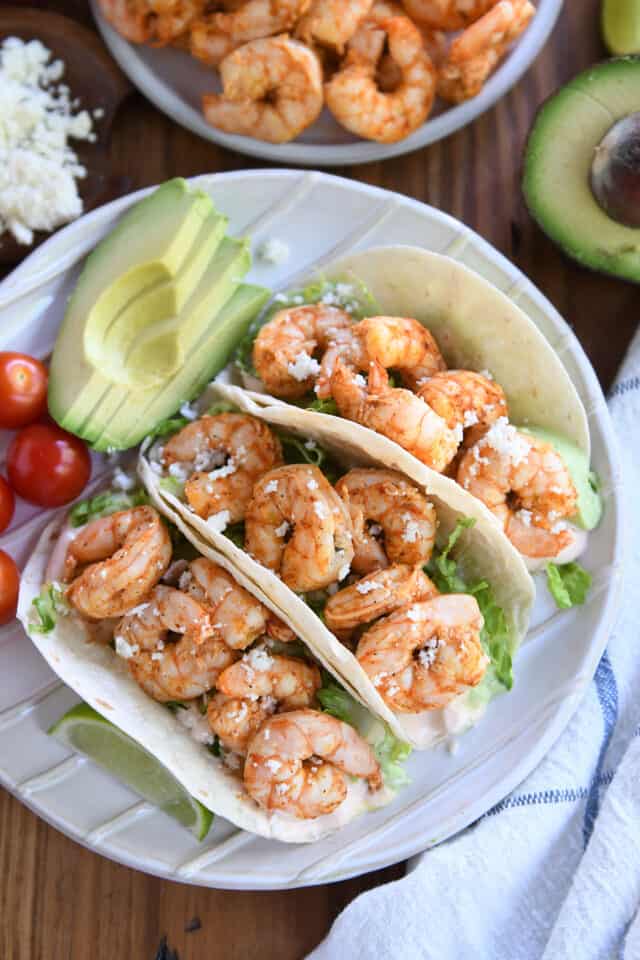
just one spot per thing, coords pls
(38, 167)
(274, 251)
(303, 367)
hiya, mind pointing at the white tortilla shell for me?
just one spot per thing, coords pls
(483, 552)
(103, 680)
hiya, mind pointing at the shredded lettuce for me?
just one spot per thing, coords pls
(172, 485)
(235, 533)
(49, 605)
(296, 450)
(167, 427)
(568, 584)
(323, 406)
(317, 600)
(175, 705)
(390, 752)
(350, 294)
(109, 501)
(221, 406)
(443, 570)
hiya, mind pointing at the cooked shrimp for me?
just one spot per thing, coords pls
(285, 348)
(402, 343)
(215, 36)
(478, 50)
(298, 763)
(236, 720)
(466, 400)
(526, 484)
(126, 554)
(375, 595)
(395, 413)
(354, 98)
(172, 669)
(297, 525)
(238, 617)
(393, 522)
(291, 682)
(332, 23)
(277, 629)
(425, 654)
(248, 446)
(272, 90)
(447, 14)
(157, 22)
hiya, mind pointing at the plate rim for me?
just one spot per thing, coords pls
(564, 712)
(362, 151)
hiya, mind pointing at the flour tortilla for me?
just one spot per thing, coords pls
(477, 328)
(483, 552)
(103, 680)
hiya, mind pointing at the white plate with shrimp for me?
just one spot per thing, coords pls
(448, 790)
(175, 82)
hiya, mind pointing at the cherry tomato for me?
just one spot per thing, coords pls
(47, 465)
(9, 586)
(7, 504)
(23, 389)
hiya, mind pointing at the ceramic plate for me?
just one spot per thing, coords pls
(175, 82)
(448, 791)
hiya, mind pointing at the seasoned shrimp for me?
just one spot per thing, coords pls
(395, 413)
(277, 629)
(239, 448)
(298, 763)
(402, 343)
(297, 525)
(478, 50)
(332, 23)
(125, 555)
(354, 98)
(215, 36)
(375, 595)
(291, 682)
(447, 14)
(393, 522)
(466, 400)
(425, 654)
(526, 484)
(172, 669)
(272, 90)
(157, 22)
(285, 348)
(236, 720)
(238, 617)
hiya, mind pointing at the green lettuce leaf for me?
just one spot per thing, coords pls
(568, 584)
(109, 501)
(221, 406)
(175, 705)
(49, 605)
(391, 754)
(235, 532)
(172, 485)
(443, 570)
(327, 405)
(297, 450)
(336, 701)
(167, 427)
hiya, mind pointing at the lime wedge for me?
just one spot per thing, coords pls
(87, 732)
(621, 26)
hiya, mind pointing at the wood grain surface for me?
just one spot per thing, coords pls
(57, 900)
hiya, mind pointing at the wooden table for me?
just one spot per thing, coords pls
(58, 900)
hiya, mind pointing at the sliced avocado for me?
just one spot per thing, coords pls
(116, 416)
(621, 26)
(560, 151)
(589, 500)
(206, 358)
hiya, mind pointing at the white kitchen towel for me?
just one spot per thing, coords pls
(553, 871)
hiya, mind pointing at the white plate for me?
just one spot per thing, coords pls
(448, 791)
(175, 82)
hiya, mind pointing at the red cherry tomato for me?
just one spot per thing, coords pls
(9, 586)
(23, 389)
(47, 465)
(7, 504)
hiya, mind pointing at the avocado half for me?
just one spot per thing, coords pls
(566, 137)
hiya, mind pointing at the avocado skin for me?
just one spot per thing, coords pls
(558, 153)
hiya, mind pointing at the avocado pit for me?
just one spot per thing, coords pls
(615, 171)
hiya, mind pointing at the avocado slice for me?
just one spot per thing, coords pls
(113, 416)
(558, 161)
(589, 509)
(621, 26)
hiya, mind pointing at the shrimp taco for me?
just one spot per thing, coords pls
(435, 368)
(406, 588)
(184, 653)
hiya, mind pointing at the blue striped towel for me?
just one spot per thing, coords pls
(553, 871)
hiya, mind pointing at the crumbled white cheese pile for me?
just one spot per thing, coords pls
(38, 167)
